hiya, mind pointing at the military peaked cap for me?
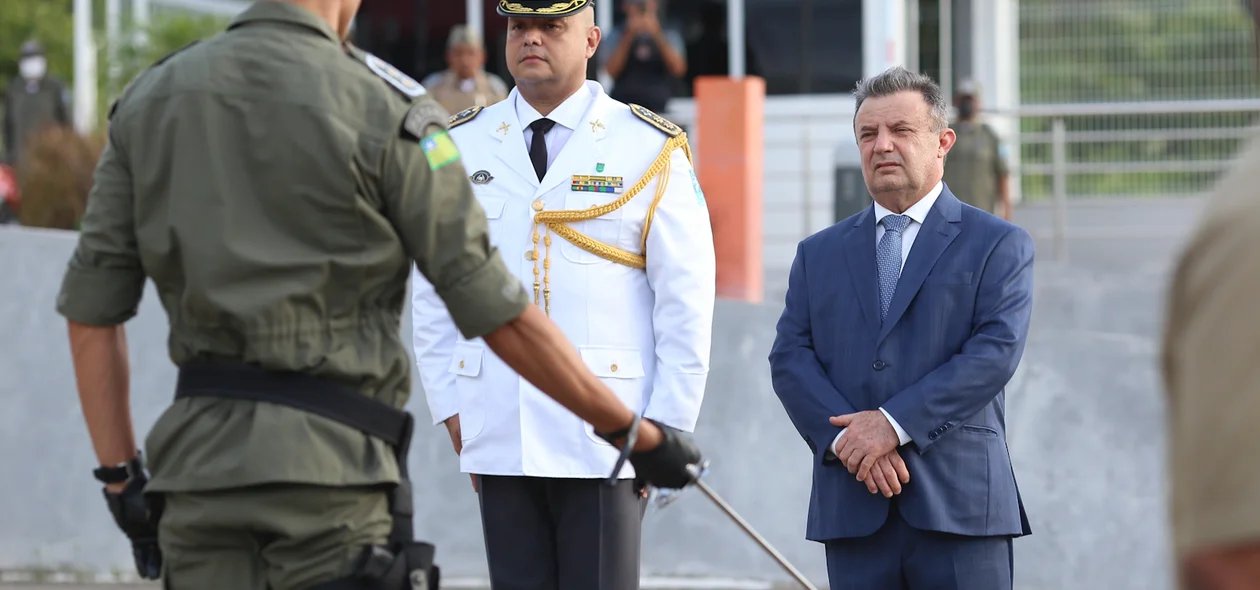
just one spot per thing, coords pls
(543, 8)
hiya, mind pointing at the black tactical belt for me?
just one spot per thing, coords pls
(296, 390)
(317, 396)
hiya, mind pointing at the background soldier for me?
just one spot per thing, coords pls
(465, 83)
(1213, 385)
(593, 202)
(278, 227)
(975, 168)
(33, 102)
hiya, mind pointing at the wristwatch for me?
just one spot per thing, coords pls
(119, 473)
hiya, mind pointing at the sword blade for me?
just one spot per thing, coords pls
(743, 524)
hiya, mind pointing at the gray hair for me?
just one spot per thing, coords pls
(462, 35)
(898, 79)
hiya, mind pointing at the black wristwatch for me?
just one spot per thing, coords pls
(119, 473)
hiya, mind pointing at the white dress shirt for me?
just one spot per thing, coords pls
(567, 117)
(917, 213)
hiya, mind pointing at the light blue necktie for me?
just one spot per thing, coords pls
(888, 259)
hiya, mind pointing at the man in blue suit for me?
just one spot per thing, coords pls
(902, 326)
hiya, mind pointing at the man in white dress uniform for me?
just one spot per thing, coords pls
(595, 205)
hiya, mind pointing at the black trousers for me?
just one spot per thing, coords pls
(561, 534)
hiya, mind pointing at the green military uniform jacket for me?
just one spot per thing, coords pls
(276, 185)
(975, 165)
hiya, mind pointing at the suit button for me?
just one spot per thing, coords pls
(461, 364)
(878, 365)
(613, 368)
(538, 205)
(933, 436)
(531, 255)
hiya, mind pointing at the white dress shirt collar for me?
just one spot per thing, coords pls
(918, 211)
(568, 114)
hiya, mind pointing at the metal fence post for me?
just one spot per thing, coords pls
(1058, 134)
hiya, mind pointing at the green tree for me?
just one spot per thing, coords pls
(56, 178)
(139, 48)
(48, 21)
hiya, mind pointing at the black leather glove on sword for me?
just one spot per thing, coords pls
(669, 465)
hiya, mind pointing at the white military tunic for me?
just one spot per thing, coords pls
(643, 323)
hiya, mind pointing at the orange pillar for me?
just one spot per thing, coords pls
(730, 152)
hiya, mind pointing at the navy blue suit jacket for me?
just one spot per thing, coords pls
(938, 364)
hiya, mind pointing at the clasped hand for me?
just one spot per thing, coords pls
(868, 449)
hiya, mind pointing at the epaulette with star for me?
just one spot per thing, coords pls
(463, 116)
(655, 120)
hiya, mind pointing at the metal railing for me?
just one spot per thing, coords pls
(1104, 151)
(1124, 150)
(1064, 154)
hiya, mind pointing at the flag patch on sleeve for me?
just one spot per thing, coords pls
(439, 150)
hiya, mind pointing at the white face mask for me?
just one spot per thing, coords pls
(33, 68)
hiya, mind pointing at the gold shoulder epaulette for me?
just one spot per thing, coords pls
(655, 120)
(463, 116)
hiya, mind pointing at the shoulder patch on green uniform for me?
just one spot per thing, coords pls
(463, 116)
(656, 120)
(404, 83)
(423, 115)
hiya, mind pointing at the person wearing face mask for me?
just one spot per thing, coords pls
(976, 168)
(33, 101)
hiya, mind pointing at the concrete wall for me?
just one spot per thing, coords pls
(55, 515)
(1084, 411)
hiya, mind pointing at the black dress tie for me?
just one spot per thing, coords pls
(538, 146)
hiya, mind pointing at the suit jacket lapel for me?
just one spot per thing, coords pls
(507, 129)
(580, 150)
(939, 230)
(859, 252)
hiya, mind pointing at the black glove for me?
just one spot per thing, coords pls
(670, 464)
(133, 515)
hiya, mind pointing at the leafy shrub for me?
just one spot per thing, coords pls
(56, 176)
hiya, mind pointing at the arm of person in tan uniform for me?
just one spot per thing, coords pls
(1213, 383)
(443, 228)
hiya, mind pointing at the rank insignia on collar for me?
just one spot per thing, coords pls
(481, 177)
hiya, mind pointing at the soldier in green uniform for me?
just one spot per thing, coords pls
(277, 184)
(975, 168)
